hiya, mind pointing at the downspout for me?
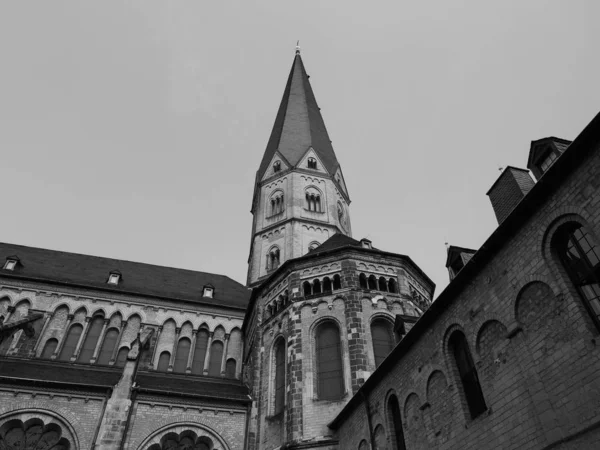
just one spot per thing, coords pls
(369, 421)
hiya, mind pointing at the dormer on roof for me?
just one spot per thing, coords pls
(208, 291)
(114, 277)
(457, 258)
(11, 263)
(543, 153)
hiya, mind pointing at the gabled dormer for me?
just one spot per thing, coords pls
(543, 153)
(457, 258)
(277, 165)
(312, 162)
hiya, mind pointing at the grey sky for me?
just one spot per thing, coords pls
(134, 130)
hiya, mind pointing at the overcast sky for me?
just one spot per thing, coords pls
(135, 131)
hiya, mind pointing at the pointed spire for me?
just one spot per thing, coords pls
(299, 124)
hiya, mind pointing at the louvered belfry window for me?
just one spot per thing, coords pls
(581, 257)
(468, 374)
(70, 342)
(330, 380)
(279, 376)
(383, 339)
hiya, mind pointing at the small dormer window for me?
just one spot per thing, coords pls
(277, 166)
(208, 291)
(10, 264)
(114, 278)
(312, 163)
(548, 160)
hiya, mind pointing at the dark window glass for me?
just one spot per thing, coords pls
(163, 362)
(276, 166)
(122, 357)
(395, 426)
(581, 257)
(337, 282)
(392, 286)
(71, 341)
(108, 346)
(382, 284)
(329, 362)
(307, 288)
(216, 356)
(279, 376)
(468, 374)
(200, 352)
(372, 282)
(230, 367)
(326, 285)
(316, 287)
(362, 281)
(312, 163)
(181, 357)
(49, 348)
(89, 345)
(383, 339)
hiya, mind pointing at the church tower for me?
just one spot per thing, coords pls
(300, 197)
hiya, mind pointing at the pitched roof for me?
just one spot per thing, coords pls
(136, 278)
(336, 241)
(299, 124)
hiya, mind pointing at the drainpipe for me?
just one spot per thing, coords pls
(369, 421)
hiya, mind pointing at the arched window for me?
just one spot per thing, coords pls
(230, 367)
(216, 356)
(337, 282)
(316, 287)
(307, 288)
(49, 348)
(313, 245)
(71, 341)
(383, 339)
(383, 284)
(273, 258)
(468, 374)
(122, 357)
(392, 286)
(580, 256)
(362, 281)
(373, 282)
(313, 200)
(182, 354)
(89, 345)
(279, 384)
(312, 163)
(276, 166)
(395, 424)
(277, 203)
(200, 351)
(108, 346)
(163, 361)
(326, 284)
(330, 377)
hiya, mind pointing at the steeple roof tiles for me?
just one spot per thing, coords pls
(299, 124)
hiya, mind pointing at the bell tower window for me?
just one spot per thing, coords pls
(276, 166)
(273, 259)
(312, 163)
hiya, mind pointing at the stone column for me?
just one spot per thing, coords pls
(188, 368)
(39, 341)
(100, 341)
(224, 359)
(86, 329)
(113, 357)
(63, 338)
(172, 361)
(160, 328)
(207, 357)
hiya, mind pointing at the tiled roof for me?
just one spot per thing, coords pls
(193, 385)
(299, 124)
(136, 278)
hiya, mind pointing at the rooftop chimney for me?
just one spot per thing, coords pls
(508, 190)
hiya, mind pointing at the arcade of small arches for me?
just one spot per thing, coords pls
(33, 434)
(373, 283)
(318, 286)
(313, 201)
(277, 304)
(185, 440)
(277, 204)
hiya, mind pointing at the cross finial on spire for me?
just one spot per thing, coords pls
(298, 47)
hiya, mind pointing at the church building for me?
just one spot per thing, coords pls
(333, 343)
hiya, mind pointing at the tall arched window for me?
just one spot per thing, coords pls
(395, 424)
(392, 286)
(181, 357)
(330, 376)
(580, 256)
(230, 368)
(71, 341)
(49, 348)
(307, 288)
(122, 357)
(279, 384)
(383, 284)
(163, 361)
(382, 334)
(216, 356)
(108, 346)
(93, 334)
(373, 282)
(200, 351)
(468, 374)
(362, 281)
